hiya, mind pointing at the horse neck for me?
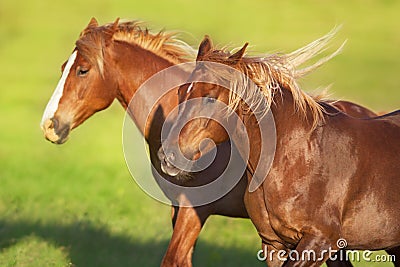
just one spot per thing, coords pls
(134, 65)
(288, 122)
(287, 116)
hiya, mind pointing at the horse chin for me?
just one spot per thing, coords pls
(61, 141)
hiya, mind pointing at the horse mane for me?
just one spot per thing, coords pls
(93, 40)
(271, 73)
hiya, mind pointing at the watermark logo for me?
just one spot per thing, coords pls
(341, 243)
(339, 254)
(162, 187)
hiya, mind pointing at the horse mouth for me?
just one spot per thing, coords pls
(169, 169)
(54, 134)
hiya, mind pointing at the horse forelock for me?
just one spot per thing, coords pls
(90, 46)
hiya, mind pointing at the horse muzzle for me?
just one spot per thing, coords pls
(56, 132)
(166, 163)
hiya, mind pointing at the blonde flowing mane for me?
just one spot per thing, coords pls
(265, 76)
(94, 39)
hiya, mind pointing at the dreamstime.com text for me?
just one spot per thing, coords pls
(311, 255)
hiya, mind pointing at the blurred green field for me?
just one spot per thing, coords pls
(76, 204)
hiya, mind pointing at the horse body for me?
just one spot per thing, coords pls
(332, 166)
(333, 176)
(353, 109)
(377, 183)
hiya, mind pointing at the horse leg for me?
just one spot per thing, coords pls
(312, 250)
(188, 261)
(187, 223)
(174, 215)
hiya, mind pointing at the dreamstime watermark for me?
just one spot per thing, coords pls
(150, 96)
(339, 254)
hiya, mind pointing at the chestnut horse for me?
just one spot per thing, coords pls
(111, 62)
(91, 81)
(333, 177)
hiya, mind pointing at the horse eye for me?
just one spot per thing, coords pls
(209, 100)
(82, 71)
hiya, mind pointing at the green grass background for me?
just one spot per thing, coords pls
(76, 204)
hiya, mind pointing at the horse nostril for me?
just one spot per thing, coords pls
(55, 123)
(161, 154)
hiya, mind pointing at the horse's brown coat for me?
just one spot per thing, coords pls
(332, 177)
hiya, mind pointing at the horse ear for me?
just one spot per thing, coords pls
(239, 54)
(204, 48)
(115, 24)
(92, 24)
(109, 32)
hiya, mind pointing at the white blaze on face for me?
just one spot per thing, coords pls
(52, 106)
